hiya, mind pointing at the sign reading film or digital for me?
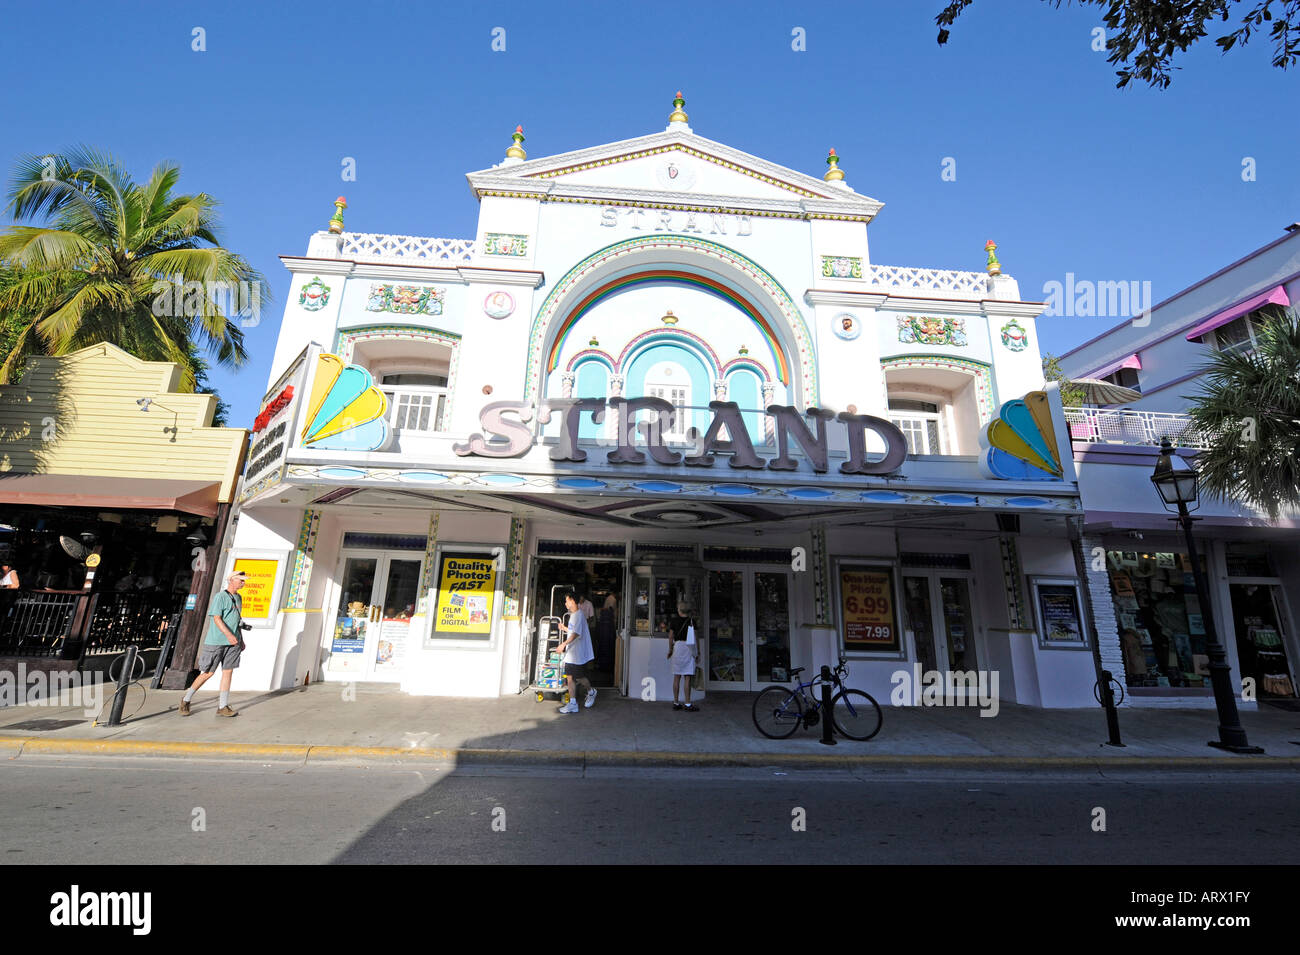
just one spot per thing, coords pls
(259, 586)
(867, 608)
(466, 590)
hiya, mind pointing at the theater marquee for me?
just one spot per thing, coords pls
(509, 432)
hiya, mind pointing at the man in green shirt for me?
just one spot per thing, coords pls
(222, 645)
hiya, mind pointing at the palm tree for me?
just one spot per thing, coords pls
(111, 262)
(1249, 406)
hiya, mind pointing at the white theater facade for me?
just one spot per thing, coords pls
(663, 369)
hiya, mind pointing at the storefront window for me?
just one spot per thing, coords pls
(1161, 628)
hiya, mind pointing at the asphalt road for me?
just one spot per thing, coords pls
(80, 810)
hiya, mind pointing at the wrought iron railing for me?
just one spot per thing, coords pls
(36, 624)
(1137, 428)
(121, 620)
(70, 625)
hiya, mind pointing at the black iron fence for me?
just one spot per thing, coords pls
(121, 620)
(36, 624)
(71, 626)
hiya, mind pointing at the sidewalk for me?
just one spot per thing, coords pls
(381, 722)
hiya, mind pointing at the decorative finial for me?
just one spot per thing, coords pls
(669, 318)
(336, 220)
(678, 114)
(834, 173)
(516, 151)
(994, 266)
(593, 343)
(744, 350)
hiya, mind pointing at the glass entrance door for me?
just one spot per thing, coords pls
(938, 609)
(375, 599)
(726, 629)
(1261, 640)
(748, 628)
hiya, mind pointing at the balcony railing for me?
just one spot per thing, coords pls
(1137, 428)
(416, 409)
(938, 283)
(406, 249)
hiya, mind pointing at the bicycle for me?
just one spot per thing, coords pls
(779, 710)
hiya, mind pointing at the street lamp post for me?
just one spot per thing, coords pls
(1176, 482)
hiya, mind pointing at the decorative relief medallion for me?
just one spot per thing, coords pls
(846, 326)
(314, 295)
(502, 243)
(841, 267)
(1014, 336)
(676, 175)
(405, 299)
(498, 304)
(922, 330)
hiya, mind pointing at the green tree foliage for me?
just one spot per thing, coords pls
(1143, 36)
(1071, 395)
(1249, 406)
(102, 264)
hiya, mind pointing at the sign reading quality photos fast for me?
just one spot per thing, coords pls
(466, 592)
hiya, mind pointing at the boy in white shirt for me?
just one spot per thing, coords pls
(578, 652)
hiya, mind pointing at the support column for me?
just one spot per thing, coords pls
(514, 568)
(1011, 581)
(821, 577)
(426, 579)
(194, 622)
(1103, 608)
(304, 559)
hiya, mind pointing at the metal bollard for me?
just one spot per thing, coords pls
(1112, 714)
(123, 681)
(828, 731)
(165, 654)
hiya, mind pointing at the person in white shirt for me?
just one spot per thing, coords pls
(8, 577)
(577, 651)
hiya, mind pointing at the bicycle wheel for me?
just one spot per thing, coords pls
(857, 715)
(778, 711)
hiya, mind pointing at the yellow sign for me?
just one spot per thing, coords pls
(93, 560)
(867, 608)
(259, 585)
(466, 588)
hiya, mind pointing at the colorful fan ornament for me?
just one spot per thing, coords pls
(345, 411)
(1020, 444)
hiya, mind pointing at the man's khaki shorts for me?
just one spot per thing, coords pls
(227, 656)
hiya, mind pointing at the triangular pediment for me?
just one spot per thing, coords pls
(672, 168)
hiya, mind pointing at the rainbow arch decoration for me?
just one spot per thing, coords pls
(543, 360)
(672, 277)
(1020, 443)
(345, 411)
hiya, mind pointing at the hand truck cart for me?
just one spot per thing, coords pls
(548, 668)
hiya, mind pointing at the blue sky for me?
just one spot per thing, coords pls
(1067, 173)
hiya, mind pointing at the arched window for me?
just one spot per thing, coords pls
(677, 374)
(744, 389)
(591, 380)
(669, 381)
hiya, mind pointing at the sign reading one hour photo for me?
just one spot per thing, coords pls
(867, 608)
(259, 586)
(466, 588)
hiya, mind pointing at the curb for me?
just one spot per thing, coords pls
(22, 746)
